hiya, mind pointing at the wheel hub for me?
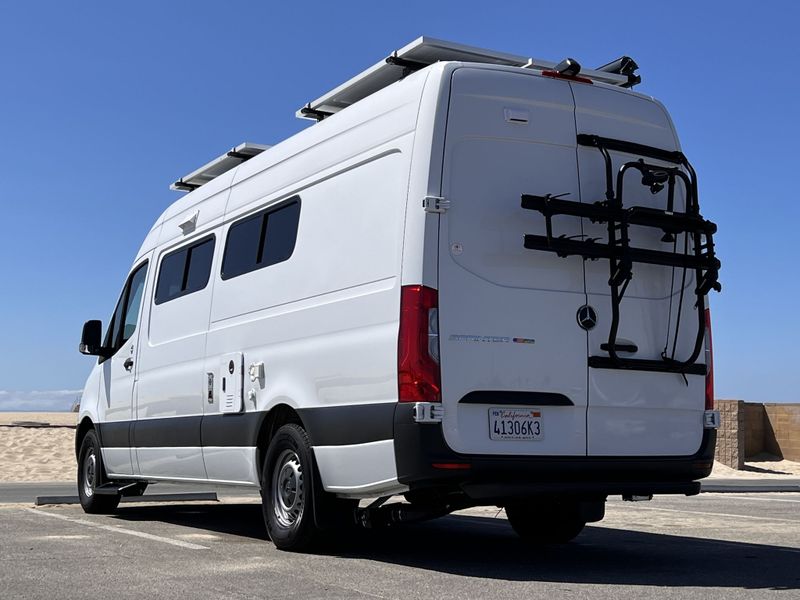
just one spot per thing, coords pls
(288, 493)
(89, 469)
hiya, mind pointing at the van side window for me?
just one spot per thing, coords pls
(185, 271)
(114, 324)
(261, 240)
(126, 315)
(132, 304)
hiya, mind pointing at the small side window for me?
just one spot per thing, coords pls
(261, 240)
(170, 276)
(185, 271)
(241, 249)
(280, 236)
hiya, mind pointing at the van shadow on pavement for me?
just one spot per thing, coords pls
(488, 548)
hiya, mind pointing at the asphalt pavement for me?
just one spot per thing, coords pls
(734, 545)
(30, 491)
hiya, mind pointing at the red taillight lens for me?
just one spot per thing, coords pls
(709, 364)
(418, 374)
(452, 466)
(557, 75)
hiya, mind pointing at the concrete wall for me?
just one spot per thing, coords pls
(782, 435)
(752, 428)
(730, 437)
(755, 418)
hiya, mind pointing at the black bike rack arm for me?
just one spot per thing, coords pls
(622, 256)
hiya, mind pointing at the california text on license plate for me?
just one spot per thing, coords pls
(515, 424)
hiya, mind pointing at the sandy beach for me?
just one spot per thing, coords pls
(37, 453)
(48, 453)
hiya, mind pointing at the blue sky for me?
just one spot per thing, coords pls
(102, 105)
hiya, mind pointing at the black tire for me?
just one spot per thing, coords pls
(287, 490)
(91, 475)
(546, 523)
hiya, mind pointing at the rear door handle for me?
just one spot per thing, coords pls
(128, 364)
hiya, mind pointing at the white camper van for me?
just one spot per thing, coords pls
(477, 279)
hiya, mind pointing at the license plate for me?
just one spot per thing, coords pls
(515, 424)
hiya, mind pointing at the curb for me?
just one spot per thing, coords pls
(37, 425)
(732, 486)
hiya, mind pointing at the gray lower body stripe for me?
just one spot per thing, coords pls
(327, 426)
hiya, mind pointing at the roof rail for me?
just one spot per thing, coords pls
(425, 51)
(232, 158)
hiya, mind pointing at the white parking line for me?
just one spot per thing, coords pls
(744, 497)
(140, 534)
(716, 514)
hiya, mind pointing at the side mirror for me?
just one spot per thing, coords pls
(91, 343)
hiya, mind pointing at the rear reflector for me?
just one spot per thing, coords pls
(451, 466)
(418, 376)
(709, 364)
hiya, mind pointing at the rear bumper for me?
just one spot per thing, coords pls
(419, 446)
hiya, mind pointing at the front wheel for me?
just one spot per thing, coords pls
(287, 489)
(546, 524)
(90, 477)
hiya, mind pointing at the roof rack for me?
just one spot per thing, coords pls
(232, 158)
(425, 51)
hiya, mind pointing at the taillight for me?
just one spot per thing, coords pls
(451, 466)
(709, 364)
(557, 75)
(418, 375)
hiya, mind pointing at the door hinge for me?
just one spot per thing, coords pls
(435, 204)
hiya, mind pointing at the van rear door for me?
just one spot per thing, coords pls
(513, 358)
(633, 412)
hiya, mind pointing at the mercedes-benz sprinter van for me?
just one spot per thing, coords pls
(476, 279)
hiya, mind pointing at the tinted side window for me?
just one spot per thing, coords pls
(132, 305)
(170, 277)
(281, 235)
(185, 271)
(114, 324)
(123, 322)
(241, 249)
(261, 240)
(199, 268)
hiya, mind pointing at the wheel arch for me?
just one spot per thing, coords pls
(278, 415)
(85, 425)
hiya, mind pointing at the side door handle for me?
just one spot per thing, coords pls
(128, 364)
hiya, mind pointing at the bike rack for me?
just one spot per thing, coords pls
(622, 256)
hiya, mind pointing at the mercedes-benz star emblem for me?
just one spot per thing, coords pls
(587, 317)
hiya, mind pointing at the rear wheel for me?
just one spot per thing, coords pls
(546, 523)
(91, 476)
(286, 489)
